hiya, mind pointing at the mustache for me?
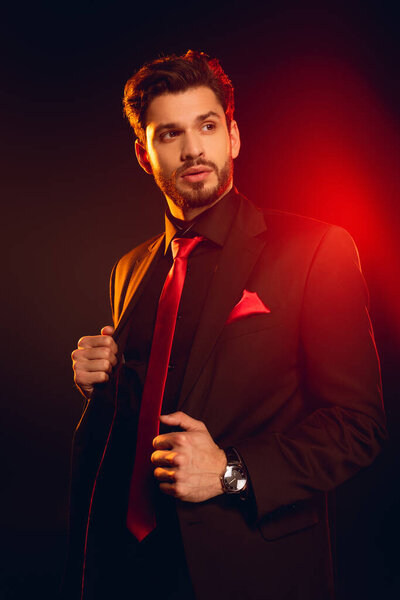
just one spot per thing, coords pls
(196, 163)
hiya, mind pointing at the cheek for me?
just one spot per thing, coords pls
(221, 150)
(164, 162)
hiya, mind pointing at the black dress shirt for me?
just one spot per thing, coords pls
(165, 543)
(214, 225)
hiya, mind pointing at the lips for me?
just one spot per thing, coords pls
(196, 173)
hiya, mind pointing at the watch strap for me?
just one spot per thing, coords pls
(233, 457)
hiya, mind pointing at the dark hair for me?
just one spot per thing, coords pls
(172, 74)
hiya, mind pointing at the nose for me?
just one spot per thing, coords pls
(192, 147)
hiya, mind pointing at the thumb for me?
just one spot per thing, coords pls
(182, 420)
(107, 330)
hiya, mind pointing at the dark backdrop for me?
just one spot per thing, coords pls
(317, 93)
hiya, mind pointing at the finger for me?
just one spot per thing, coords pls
(183, 420)
(82, 354)
(91, 366)
(95, 341)
(168, 488)
(165, 441)
(107, 330)
(85, 378)
(170, 441)
(165, 475)
(163, 458)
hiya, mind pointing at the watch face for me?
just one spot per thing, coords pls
(235, 478)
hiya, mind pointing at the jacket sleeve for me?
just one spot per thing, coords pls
(345, 426)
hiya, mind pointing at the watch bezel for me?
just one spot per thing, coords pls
(240, 473)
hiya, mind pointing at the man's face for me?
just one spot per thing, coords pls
(189, 149)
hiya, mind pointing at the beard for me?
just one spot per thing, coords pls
(197, 194)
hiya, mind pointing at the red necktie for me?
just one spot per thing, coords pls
(141, 518)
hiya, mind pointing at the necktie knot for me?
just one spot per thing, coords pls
(182, 247)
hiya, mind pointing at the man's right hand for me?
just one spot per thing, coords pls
(93, 360)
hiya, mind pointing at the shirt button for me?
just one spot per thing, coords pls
(179, 316)
(171, 367)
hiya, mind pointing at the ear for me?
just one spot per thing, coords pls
(142, 157)
(235, 139)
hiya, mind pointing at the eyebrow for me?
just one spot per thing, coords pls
(199, 119)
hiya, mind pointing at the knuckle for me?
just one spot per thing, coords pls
(171, 438)
(112, 358)
(179, 460)
(77, 354)
(179, 490)
(79, 377)
(171, 458)
(182, 439)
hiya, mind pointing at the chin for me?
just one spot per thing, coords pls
(198, 196)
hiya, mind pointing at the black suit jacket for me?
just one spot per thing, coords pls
(297, 391)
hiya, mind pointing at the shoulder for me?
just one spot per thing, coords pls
(140, 250)
(288, 229)
(297, 233)
(289, 224)
(125, 264)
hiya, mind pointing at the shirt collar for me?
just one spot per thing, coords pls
(214, 223)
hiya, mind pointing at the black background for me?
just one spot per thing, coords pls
(73, 200)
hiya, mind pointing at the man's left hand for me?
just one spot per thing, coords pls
(188, 463)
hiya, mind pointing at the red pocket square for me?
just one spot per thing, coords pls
(249, 304)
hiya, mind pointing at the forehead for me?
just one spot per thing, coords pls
(182, 107)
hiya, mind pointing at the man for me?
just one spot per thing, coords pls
(249, 333)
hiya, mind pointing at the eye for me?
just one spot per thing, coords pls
(169, 135)
(209, 126)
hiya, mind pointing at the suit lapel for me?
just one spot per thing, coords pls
(140, 273)
(238, 258)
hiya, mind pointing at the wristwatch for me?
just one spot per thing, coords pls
(235, 479)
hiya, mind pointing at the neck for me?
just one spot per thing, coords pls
(188, 214)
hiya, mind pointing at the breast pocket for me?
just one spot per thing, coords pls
(251, 324)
